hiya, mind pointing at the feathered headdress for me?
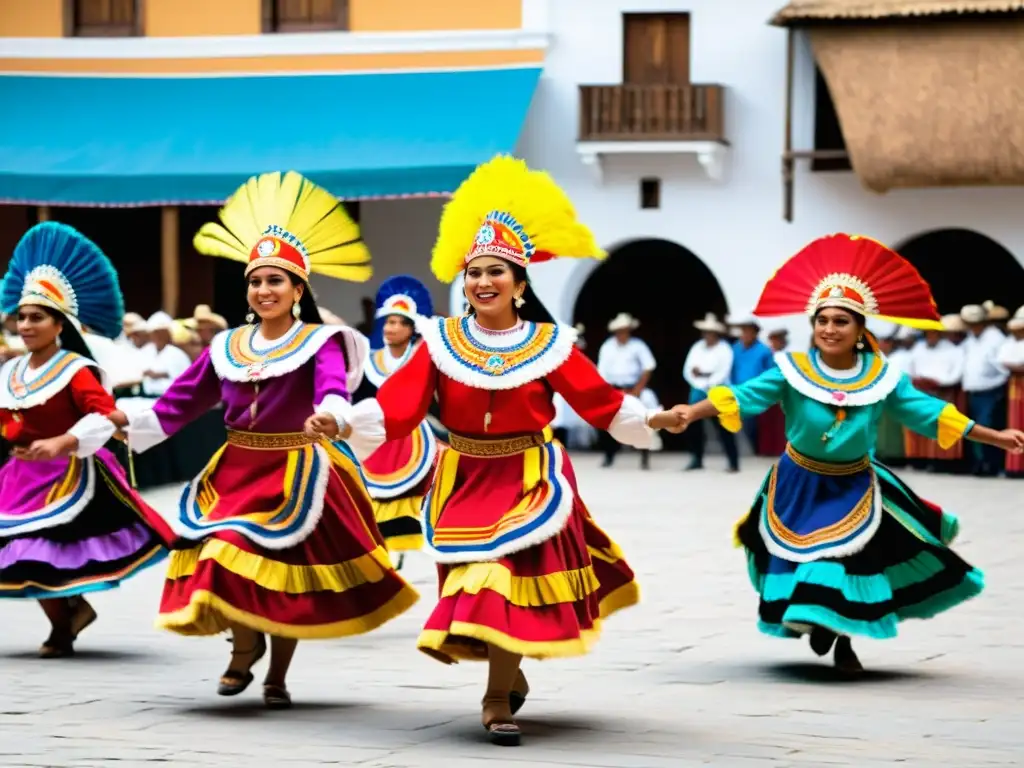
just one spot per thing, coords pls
(284, 220)
(855, 273)
(506, 210)
(56, 266)
(400, 295)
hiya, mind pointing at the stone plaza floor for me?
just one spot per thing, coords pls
(683, 679)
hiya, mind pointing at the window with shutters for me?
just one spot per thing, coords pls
(305, 15)
(103, 18)
(656, 49)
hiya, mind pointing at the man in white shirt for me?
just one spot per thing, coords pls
(708, 365)
(168, 361)
(984, 381)
(936, 366)
(626, 363)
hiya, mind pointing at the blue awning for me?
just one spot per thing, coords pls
(150, 141)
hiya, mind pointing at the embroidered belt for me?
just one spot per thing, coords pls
(835, 469)
(263, 441)
(502, 446)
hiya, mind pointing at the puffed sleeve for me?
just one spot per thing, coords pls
(743, 401)
(330, 387)
(400, 406)
(94, 429)
(191, 395)
(927, 415)
(600, 404)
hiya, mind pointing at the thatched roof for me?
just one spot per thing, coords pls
(809, 11)
(933, 105)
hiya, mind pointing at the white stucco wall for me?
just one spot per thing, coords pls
(734, 225)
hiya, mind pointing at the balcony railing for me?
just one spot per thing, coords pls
(651, 113)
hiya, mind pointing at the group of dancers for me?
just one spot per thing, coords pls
(286, 534)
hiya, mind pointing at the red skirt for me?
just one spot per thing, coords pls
(771, 432)
(541, 602)
(310, 566)
(920, 447)
(1015, 420)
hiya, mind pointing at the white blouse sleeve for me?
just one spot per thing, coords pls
(336, 406)
(92, 432)
(144, 430)
(367, 422)
(630, 424)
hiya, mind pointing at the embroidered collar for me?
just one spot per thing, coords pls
(235, 358)
(17, 392)
(870, 381)
(381, 363)
(496, 361)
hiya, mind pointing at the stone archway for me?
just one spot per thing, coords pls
(965, 267)
(666, 287)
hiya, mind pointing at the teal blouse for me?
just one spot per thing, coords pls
(833, 415)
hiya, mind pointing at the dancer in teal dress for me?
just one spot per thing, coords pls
(836, 544)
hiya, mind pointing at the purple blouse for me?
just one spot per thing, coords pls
(283, 403)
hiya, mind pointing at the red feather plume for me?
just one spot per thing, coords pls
(895, 289)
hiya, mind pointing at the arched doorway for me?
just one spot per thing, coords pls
(965, 267)
(666, 287)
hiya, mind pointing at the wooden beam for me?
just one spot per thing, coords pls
(169, 261)
(43, 213)
(787, 160)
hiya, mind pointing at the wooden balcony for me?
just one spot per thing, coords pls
(647, 113)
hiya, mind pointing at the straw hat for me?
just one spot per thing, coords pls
(710, 324)
(739, 321)
(953, 324)
(159, 321)
(973, 313)
(133, 322)
(623, 322)
(775, 333)
(1017, 321)
(995, 312)
(203, 314)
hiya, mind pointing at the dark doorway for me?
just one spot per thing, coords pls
(665, 287)
(131, 239)
(965, 267)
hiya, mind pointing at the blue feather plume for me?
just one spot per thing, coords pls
(406, 285)
(81, 262)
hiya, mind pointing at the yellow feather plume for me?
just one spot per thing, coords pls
(315, 216)
(532, 197)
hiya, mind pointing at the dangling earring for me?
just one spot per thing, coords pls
(296, 310)
(860, 343)
(250, 318)
(469, 307)
(519, 302)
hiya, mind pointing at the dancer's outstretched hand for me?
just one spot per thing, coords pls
(670, 421)
(1012, 440)
(321, 425)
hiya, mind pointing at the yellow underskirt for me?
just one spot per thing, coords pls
(385, 510)
(207, 614)
(408, 543)
(281, 577)
(434, 642)
(525, 591)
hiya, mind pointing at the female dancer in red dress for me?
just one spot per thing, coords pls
(523, 568)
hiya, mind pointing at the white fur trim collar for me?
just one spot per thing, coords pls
(235, 359)
(464, 354)
(18, 394)
(871, 382)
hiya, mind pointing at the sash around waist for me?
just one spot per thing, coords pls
(499, 446)
(832, 468)
(267, 441)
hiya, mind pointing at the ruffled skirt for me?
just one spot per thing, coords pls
(397, 476)
(894, 567)
(71, 526)
(544, 599)
(282, 542)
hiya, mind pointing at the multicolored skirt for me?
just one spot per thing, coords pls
(522, 564)
(1015, 420)
(397, 476)
(283, 541)
(849, 547)
(73, 525)
(918, 446)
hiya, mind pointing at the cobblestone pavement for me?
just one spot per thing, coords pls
(683, 679)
